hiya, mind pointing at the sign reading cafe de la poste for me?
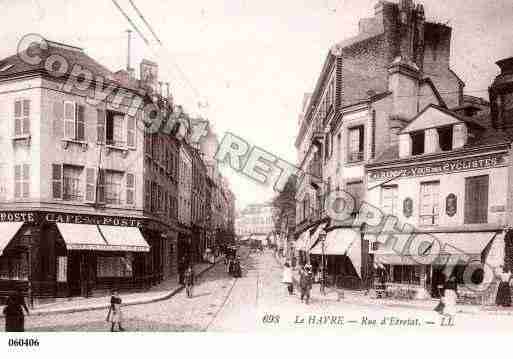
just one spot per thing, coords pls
(439, 167)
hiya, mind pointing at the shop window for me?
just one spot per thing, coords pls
(356, 144)
(445, 138)
(476, 199)
(22, 181)
(14, 267)
(417, 143)
(114, 267)
(429, 198)
(21, 117)
(406, 274)
(389, 199)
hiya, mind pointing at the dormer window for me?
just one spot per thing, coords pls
(417, 143)
(445, 138)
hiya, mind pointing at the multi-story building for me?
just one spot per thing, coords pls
(370, 86)
(185, 201)
(256, 220)
(449, 178)
(71, 179)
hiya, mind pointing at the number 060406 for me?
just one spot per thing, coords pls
(23, 342)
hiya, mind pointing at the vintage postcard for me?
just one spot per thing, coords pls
(322, 166)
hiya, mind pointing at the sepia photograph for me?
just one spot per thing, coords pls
(243, 167)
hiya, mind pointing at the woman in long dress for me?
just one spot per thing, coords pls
(14, 315)
(449, 297)
(287, 278)
(115, 315)
(504, 291)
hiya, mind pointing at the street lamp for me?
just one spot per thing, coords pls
(322, 239)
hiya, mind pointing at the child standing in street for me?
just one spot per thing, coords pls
(115, 315)
(189, 281)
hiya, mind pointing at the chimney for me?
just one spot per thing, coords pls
(501, 95)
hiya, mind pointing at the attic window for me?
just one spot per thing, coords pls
(417, 143)
(6, 67)
(445, 138)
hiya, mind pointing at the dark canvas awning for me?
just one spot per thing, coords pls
(8, 230)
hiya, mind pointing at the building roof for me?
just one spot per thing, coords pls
(73, 55)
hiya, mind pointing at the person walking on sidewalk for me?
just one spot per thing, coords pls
(13, 311)
(450, 296)
(305, 282)
(287, 278)
(504, 291)
(189, 281)
(115, 315)
(182, 266)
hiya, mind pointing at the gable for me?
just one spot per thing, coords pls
(429, 118)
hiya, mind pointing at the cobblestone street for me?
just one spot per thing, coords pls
(222, 303)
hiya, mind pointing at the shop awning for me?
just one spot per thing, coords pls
(312, 241)
(337, 242)
(8, 231)
(82, 237)
(102, 238)
(461, 246)
(300, 243)
(125, 239)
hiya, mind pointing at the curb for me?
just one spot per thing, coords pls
(168, 295)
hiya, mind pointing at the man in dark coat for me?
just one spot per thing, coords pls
(13, 311)
(305, 282)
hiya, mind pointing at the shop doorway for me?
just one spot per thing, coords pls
(74, 279)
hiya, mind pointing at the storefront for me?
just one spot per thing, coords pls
(50, 254)
(420, 272)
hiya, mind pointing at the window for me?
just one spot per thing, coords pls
(339, 148)
(21, 181)
(406, 274)
(114, 267)
(417, 143)
(476, 199)
(114, 128)
(109, 187)
(21, 117)
(14, 267)
(445, 138)
(130, 188)
(389, 200)
(71, 187)
(130, 131)
(74, 121)
(356, 144)
(355, 189)
(3, 181)
(429, 211)
(147, 195)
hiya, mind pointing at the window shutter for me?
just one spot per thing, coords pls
(58, 119)
(101, 186)
(26, 180)
(69, 120)
(57, 181)
(90, 184)
(130, 131)
(26, 116)
(17, 181)
(80, 124)
(100, 126)
(130, 188)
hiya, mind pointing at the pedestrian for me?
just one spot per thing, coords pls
(305, 282)
(13, 312)
(189, 281)
(504, 291)
(287, 278)
(449, 297)
(182, 265)
(115, 314)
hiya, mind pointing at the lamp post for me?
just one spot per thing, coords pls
(322, 238)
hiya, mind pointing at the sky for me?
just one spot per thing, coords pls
(250, 61)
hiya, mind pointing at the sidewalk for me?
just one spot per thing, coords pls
(161, 291)
(360, 298)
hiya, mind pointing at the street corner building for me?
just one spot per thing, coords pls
(88, 201)
(389, 123)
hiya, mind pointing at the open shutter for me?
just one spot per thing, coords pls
(26, 116)
(130, 131)
(80, 124)
(17, 181)
(58, 119)
(26, 180)
(57, 181)
(100, 126)
(101, 186)
(69, 120)
(130, 188)
(90, 184)
(17, 118)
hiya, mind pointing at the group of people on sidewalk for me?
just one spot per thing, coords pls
(305, 281)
